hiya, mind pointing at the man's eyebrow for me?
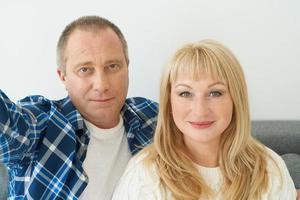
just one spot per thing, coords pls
(114, 61)
(84, 63)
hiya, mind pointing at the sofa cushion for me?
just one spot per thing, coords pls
(281, 136)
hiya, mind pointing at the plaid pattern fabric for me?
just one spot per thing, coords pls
(43, 143)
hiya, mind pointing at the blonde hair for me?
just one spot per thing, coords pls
(242, 159)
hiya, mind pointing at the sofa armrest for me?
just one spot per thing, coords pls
(3, 182)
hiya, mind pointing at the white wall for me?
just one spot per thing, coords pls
(264, 35)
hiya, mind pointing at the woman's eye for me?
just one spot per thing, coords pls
(185, 94)
(215, 94)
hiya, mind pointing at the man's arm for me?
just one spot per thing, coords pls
(17, 131)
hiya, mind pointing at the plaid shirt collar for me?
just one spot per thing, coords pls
(71, 113)
(135, 121)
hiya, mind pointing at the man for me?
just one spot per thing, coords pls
(77, 147)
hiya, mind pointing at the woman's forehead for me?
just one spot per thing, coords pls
(195, 76)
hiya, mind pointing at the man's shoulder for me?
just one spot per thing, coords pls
(38, 104)
(41, 101)
(142, 107)
(140, 101)
(142, 104)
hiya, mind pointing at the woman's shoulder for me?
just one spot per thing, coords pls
(138, 164)
(274, 161)
(144, 168)
(139, 181)
(280, 181)
(275, 166)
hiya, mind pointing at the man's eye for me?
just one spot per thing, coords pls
(215, 93)
(84, 69)
(113, 66)
(185, 94)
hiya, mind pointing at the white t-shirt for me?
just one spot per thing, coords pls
(106, 159)
(141, 183)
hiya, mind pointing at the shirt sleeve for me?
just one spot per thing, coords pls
(17, 130)
(137, 183)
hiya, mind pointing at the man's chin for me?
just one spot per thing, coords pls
(103, 112)
(103, 120)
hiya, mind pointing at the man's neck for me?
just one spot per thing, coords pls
(107, 124)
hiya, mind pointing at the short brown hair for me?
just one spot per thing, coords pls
(86, 23)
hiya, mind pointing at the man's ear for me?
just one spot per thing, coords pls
(61, 74)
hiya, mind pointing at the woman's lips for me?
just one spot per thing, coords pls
(202, 124)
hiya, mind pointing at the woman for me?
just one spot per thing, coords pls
(202, 147)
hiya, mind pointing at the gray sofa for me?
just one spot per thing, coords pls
(3, 182)
(281, 136)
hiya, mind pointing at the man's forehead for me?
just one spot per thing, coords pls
(88, 37)
(85, 46)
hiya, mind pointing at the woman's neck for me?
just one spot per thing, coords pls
(206, 155)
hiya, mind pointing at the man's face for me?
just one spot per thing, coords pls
(96, 76)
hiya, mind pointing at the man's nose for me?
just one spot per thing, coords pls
(101, 82)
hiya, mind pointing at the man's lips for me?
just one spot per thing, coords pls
(102, 100)
(202, 124)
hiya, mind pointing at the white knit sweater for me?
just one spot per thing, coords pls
(140, 183)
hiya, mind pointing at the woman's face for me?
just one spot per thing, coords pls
(202, 109)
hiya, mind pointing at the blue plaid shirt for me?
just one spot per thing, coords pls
(43, 143)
